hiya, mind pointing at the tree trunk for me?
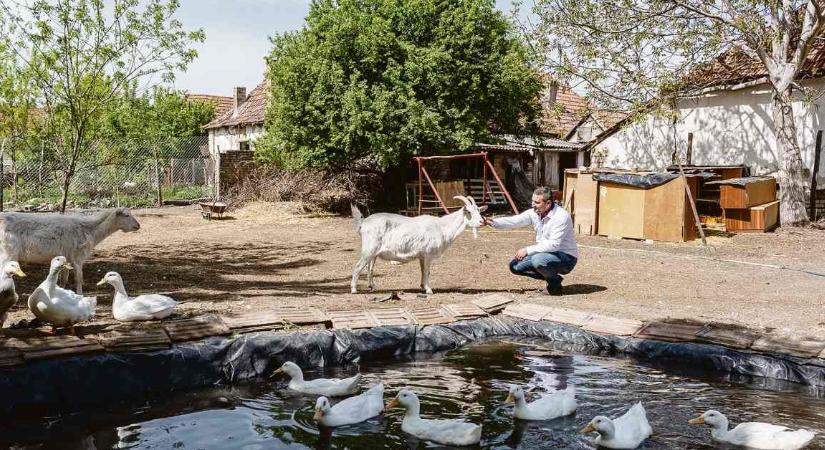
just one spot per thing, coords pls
(792, 210)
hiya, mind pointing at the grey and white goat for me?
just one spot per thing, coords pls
(399, 238)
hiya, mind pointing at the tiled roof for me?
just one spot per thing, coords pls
(735, 66)
(249, 112)
(559, 117)
(510, 143)
(222, 103)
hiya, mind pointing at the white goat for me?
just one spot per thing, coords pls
(398, 238)
(37, 238)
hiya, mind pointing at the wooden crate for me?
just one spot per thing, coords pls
(754, 191)
(586, 205)
(621, 211)
(759, 218)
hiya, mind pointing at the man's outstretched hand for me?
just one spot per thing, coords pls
(521, 254)
(486, 221)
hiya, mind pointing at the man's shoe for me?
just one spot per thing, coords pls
(555, 290)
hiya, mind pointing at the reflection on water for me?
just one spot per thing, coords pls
(470, 383)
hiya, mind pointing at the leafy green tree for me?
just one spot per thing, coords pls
(391, 79)
(83, 54)
(634, 53)
(160, 113)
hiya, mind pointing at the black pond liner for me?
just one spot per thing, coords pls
(70, 384)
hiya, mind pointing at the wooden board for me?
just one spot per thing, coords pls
(429, 316)
(391, 316)
(667, 213)
(247, 322)
(135, 340)
(757, 192)
(790, 345)
(674, 332)
(570, 177)
(529, 311)
(621, 211)
(568, 316)
(40, 347)
(462, 311)
(493, 303)
(351, 320)
(729, 337)
(586, 203)
(449, 189)
(612, 325)
(196, 328)
(300, 316)
(758, 218)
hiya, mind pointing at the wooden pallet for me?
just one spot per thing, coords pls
(493, 303)
(463, 311)
(391, 316)
(135, 340)
(196, 328)
(351, 320)
(612, 325)
(673, 332)
(300, 316)
(430, 316)
(527, 311)
(252, 321)
(791, 345)
(568, 316)
(728, 336)
(41, 347)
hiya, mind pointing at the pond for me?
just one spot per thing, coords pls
(469, 383)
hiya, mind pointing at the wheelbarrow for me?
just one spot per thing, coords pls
(208, 209)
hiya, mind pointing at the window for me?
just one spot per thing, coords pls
(244, 145)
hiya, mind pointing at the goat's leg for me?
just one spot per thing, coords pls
(362, 263)
(370, 280)
(425, 275)
(78, 277)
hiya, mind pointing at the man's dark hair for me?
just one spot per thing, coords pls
(545, 192)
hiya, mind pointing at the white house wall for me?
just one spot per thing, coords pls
(229, 138)
(728, 128)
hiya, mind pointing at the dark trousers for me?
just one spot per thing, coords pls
(545, 266)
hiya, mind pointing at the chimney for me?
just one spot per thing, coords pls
(238, 98)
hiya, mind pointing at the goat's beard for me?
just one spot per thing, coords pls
(475, 232)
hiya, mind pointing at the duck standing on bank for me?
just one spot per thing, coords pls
(57, 306)
(142, 307)
(8, 294)
(331, 387)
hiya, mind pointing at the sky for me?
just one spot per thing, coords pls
(237, 40)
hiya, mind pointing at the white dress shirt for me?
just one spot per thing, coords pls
(554, 232)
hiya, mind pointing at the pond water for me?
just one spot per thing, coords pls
(469, 383)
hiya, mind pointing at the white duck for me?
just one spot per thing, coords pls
(627, 431)
(142, 307)
(447, 432)
(57, 306)
(547, 407)
(351, 410)
(755, 435)
(8, 295)
(333, 387)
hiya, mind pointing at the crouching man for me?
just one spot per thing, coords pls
(555, 252)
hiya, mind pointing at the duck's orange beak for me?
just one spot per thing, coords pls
(509, 399)
(276, 373)
(588, 429)
(697, 421)
(394, 403)
(318, 414)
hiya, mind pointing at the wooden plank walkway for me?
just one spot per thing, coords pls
(494, 303)
(196, 328)
(728, 336)
(463, 311)
(672, 332)
(528, 311)
(40, 347)
(391, 316)
(612, 325)
(352, 320)
(134, 340)
(568, 316)
(426, 315)
(251, 321)
(804, 347)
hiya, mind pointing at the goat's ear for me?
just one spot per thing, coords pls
(482, 208)
(122, 212)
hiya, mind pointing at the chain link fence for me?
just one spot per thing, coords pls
(127, 172)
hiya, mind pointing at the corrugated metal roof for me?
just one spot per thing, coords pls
(514, 144)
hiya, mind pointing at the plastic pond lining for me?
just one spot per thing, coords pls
(77, 382)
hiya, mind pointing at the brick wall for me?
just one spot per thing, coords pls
(235, 166)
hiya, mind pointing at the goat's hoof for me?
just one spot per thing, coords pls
(353, 291)
(429, 291)
(372, 288)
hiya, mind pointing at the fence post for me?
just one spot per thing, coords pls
(817, 152)
(160, 187)
(2, 175)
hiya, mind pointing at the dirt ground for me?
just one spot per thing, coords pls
(267, 254)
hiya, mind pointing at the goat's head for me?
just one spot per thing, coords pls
(125, 221)
(472, 213)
